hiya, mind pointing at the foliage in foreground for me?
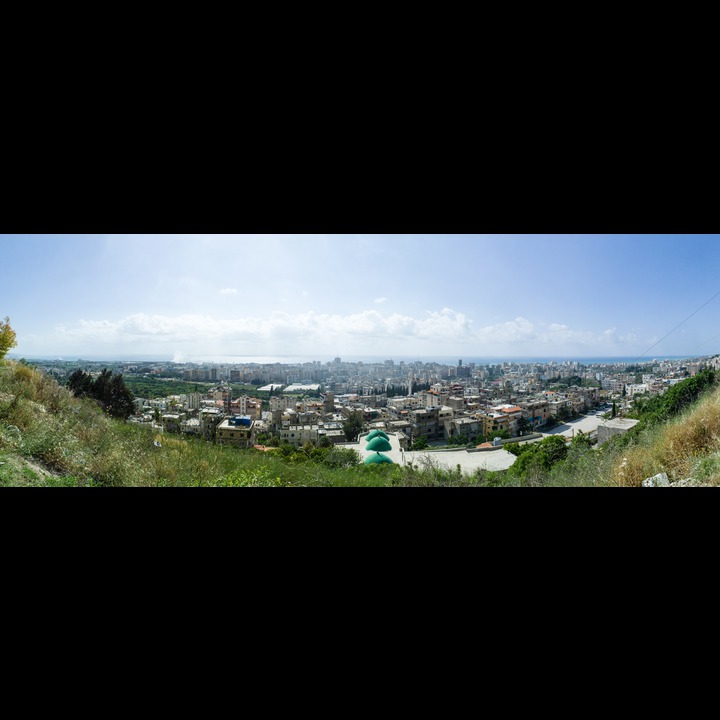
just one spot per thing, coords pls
(686, 447)
(82, 446)
(108, 389)
(8, 338)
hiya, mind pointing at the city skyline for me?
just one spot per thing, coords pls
(187, 297)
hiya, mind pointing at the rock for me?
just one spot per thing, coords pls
(687, 482)
(659, 480)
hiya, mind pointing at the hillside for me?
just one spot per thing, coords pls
(678, 434)
(685, 446)
(50, 438)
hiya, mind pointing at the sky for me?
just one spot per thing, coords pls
(193, 297)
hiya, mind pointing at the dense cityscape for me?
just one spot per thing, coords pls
(422, 404)
(359, 360)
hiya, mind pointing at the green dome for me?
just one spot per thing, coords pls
(377, 459)
(379, 444)
(376, 433)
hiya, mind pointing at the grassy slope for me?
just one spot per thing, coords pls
(81, 446)
(685, 447)
(43, 423)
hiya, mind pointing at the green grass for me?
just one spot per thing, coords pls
(82, 447)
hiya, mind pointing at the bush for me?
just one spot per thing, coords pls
(8, 338)
(535, 458)
(108, 389)
(342, 458)
(420, 444)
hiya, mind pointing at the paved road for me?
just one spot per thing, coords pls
(469, 462)
(450, 459)
(587, 423)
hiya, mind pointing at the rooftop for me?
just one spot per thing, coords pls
(621, 423)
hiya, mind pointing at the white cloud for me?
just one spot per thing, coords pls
(369, 331)
(228, 291)
(380, 301)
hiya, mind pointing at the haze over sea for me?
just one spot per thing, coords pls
(368, 359)
(443, 360)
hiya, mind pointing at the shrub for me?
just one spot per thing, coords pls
(8, 338)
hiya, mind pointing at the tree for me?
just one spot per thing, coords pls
(420, 444)
(8, 339)
(537, 457)
(108, 389)
(581, 440)
(353, 426)
(342, 457)
(563, 414)
(80, 383)
(523, 426)
(120, 401)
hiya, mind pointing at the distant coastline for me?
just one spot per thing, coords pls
(368, 359)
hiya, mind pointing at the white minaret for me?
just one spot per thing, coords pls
(410, 381)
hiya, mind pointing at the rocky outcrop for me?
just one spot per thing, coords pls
(659, 480)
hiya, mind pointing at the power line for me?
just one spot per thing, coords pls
(705, 342)
(677, 326)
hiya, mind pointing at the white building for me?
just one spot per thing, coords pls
(299, 434)
(636, 389)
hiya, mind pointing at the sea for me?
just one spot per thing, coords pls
(368, 359)
(408, 359)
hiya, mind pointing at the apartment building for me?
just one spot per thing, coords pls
(559, 405)
(210, 418)
(434, 398)
(282, 403)
(513, 413)
(468, 426)
(536, 412)
(456, 402)
(332, 431)
(191, 426)
(636, 389)
(494, 421)
(299, 434)
(426, 423)
(171, 421)
(236, 430)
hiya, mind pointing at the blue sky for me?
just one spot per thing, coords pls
(195, 296)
